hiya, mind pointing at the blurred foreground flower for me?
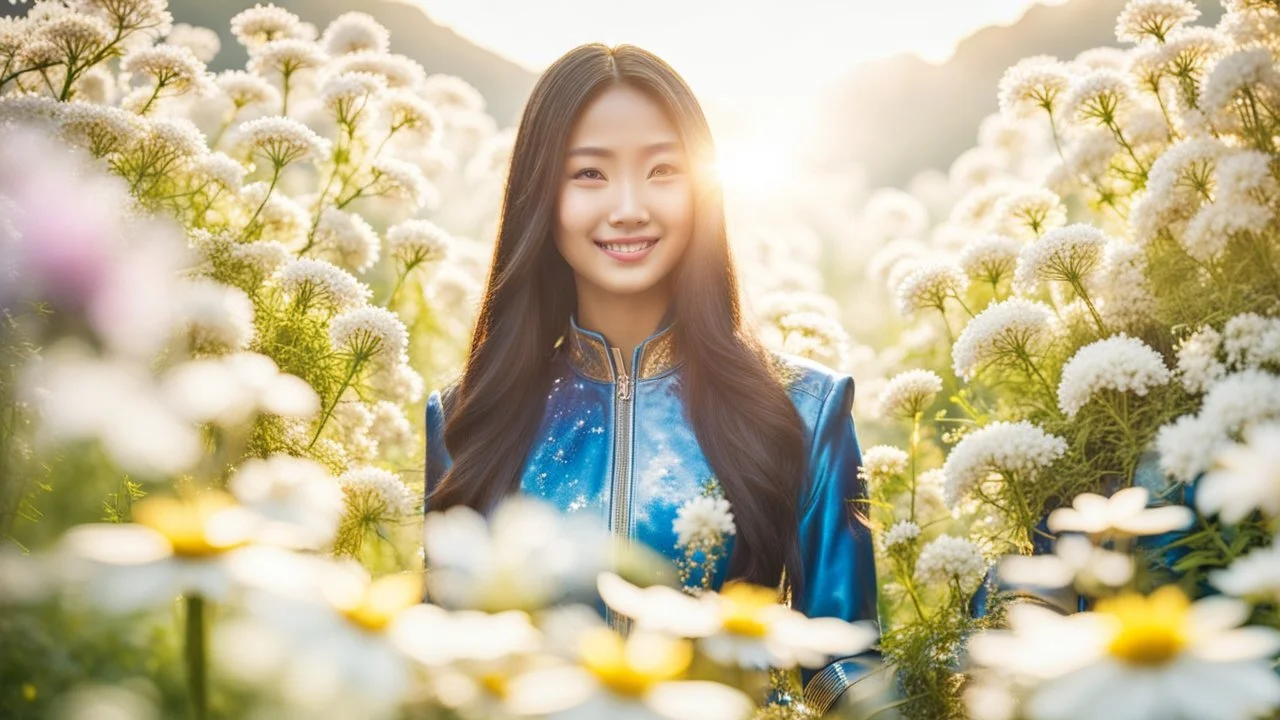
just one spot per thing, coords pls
(1159, 656)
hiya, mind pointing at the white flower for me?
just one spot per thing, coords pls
(404, 180)
(229, 390)
(1119, 364)
(452, 93)
(175, 138)
(222, 169)
(1198, 364)
(1028, 214)
(1185, 447)
(1076, 560)
(99, 128)
(354, 31)
(990, 259)
(376, 494)
(347, 239)
(371, 331)
(1245, 175)
(1034, 85)
(882, 463)
(526, 557)
(217, 317)
(389, 426)
(202, 42)
(305, 281)
(286, 57)
(1102, 97)
(703, 520)
(401, 384)
(902, 532)
(1175, 182)
(405, 110)
(1124, 514)
(632, 679)
(947, 558)
(892, 213)
(1245, 68)
(347, 94)
(1069, 254)
(1154, 657)
(299, 501)
(398, 70)
(909, 393)
(173, 548)
(1251, 340)
(76, 36)
(1213, 227)
(79, 397)
(416, 241)
(1246, 477)
(1254, 576)
(1147, 20)
(929, 285)
(1013, 326)
(282, 140)
(1018, 451)
(315, 619)
(1124, 294)
(261, 24)
(246, 89)
(1242, 399)
(742, 625)
(172, 66)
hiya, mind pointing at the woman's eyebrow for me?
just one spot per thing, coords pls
(605, 152)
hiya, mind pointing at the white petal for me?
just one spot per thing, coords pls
(1157, 520)
(1246, 643)
(698, 700)
(1128, 502)
(290, 396)
(553, 690)
(1216, 613)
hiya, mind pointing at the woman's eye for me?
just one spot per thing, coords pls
(588, 174)
(664, 170)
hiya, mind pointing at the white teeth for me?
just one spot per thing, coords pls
(629, 247)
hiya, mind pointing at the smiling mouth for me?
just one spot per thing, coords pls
(630, 246)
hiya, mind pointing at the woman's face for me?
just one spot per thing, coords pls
(626, 199)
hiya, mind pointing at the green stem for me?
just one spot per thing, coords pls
(275, 177)
(197, 673)
(354, 368)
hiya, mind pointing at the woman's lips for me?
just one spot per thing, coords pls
(628, 249)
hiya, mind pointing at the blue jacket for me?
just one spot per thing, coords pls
(620, 448)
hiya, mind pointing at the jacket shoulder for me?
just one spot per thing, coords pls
(809, 377)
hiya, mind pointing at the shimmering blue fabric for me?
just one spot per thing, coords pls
(571, 464)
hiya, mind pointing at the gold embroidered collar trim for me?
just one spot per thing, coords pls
(589, 353)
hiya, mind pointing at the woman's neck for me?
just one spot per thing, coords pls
(625, 321)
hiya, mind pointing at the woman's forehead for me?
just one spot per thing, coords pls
(623, 120)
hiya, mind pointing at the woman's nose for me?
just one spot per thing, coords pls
(629, 207)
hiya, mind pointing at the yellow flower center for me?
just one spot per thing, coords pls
(744, 607)
(378, 603)
(207, 525)
(1151, 630)
(495, 684)
(632, 667)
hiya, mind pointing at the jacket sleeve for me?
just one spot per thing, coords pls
(835, 547)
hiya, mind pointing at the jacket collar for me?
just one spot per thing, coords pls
(589, 352)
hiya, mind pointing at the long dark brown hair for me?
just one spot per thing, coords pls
(732, 389)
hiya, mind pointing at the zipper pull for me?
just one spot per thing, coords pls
(624, 382)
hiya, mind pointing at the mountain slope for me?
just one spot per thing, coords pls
(898, 116)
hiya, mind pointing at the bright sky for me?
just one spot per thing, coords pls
(756, 65)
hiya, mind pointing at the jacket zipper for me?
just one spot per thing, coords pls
(620, 522)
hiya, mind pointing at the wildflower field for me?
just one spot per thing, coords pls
(223, 297)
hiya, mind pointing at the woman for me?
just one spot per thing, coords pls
(611, 371)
